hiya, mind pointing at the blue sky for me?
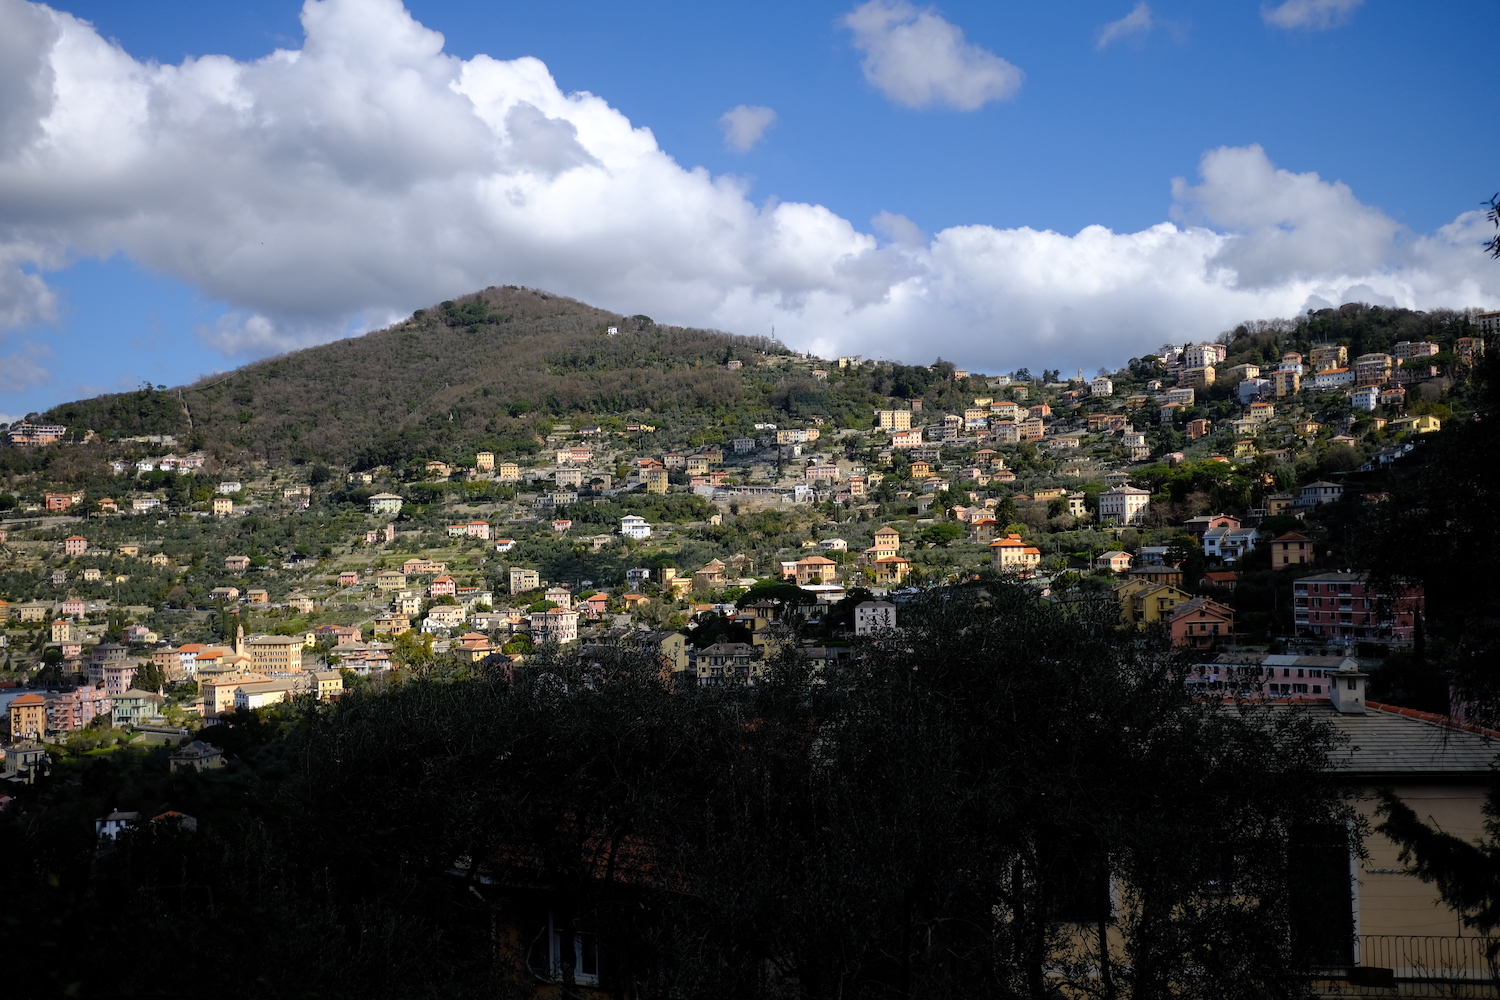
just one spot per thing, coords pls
(162, 222)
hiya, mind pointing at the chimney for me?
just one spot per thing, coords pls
(1348, 691)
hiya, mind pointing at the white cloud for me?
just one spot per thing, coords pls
(236, 333)
(916, 58)
(745, 125)
(1137, 22)
(22, 369)
(898, 229)
(1290, 225)
(1310, 15)
(325, 191)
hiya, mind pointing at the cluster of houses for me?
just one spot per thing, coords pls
(252, 673)
(426, 598)
(950, 466)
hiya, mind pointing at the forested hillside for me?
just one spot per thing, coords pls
(494, 370)
(477, 372)
(1358, 326)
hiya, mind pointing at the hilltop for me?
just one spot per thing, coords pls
(496, 370)
(476, 372)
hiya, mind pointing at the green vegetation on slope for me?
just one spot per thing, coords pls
(478, 373)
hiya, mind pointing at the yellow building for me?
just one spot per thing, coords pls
(1012, 555)
(1327, 356)
(1291, 549)
(390, 579)
(1374, 914)
(655, 480)
(485, 461)
(275, 654)
(28, 717)
(35, 611)
(391, 625)
(890, 571)
(1143, 601)
(1197, 378)
(1424, 424)
(1286, 382)
(895, 420)
(509, 472)
(326, 684)
(887, 542)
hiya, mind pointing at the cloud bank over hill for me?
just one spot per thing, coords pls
(326, 190)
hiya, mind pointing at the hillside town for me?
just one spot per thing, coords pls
(1206, 497)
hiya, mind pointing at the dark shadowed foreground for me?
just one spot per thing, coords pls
(979, 807)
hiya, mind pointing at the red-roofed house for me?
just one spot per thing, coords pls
(1012, 555)
(443, 586)
(75, 545)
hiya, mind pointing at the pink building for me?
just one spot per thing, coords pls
(75, 545)
(118, 676)
(478, 529)
(348, 578)
(74, 607)
(74, 710)
(907, 439)
(443, 586)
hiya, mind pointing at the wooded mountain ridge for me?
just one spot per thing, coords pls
(495, 370)
(480, 371)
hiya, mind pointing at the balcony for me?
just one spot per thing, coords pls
(1400, 966)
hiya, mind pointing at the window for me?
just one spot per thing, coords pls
(584, 952)
(1322, 900)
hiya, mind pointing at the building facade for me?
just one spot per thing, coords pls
(1345, 606)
